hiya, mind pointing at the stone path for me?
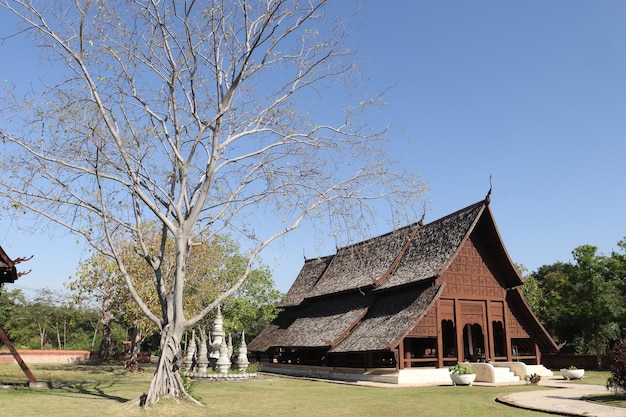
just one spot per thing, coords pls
(563, 398)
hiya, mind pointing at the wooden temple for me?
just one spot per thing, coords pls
(425, 295)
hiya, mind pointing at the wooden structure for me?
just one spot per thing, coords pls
(423, 295)
(9, 274)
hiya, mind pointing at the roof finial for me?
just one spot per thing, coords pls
(488, 197)
(421, 221)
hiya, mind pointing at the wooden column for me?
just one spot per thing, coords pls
(537, 354)
(491, 351)
(507, 335)
(439, 337)
(458, 325)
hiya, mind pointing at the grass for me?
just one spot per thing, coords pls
(591, 377)
(616, 400)
(107, 390)
(599, 378)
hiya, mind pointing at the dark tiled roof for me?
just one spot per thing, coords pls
(433, 247)
(371, 263)
(362, 264)
(306, 280)
(272, 332)
(389, 319)
(319, 324)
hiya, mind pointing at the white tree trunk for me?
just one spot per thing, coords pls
(167, 382)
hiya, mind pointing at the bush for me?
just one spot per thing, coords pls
(461, 369)
(617, 357)
(533, 379)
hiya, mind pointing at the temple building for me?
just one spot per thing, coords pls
(423, 296)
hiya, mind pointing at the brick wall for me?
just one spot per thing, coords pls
(45, 356)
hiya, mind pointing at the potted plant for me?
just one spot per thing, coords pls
(572, 373)
(462, 374)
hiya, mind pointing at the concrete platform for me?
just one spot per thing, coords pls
(501, 374)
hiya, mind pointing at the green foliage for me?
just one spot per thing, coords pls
(533, 379)
(582, 303)
(188, 383)
(10, 303)
(617, 356)
(252, 307)
(213, 267)
(47, 321)
(461, 369)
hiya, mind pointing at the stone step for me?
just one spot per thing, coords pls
(503, 374)
(539, 370)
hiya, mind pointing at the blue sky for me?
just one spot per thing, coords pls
(532, 93)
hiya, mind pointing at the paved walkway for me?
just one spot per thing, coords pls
(563, 398)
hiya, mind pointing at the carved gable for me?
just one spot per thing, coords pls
(469, 276)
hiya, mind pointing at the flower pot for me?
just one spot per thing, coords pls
(462, 379)
(572, 373)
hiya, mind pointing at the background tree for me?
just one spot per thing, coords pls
(546, 291)
(199, 116)
(599, 302)
(582, 303)
(10, 302)
(97, 281)
(212, 266)
(46, 320)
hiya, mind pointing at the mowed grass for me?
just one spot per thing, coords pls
(599, 378)
(107, 390)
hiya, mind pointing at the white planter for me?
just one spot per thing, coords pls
(572, 373)
(462, 379)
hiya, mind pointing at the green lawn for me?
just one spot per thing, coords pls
(599, 378)
(106, 390)
(591, 377)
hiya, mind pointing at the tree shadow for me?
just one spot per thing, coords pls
(94, 389)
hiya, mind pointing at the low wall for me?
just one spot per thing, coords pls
(45, 356)
(580, 361)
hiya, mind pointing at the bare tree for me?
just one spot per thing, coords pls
(200, 116)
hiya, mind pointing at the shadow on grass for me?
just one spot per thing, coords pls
(90, 389)
(614, 400)
(89, 367)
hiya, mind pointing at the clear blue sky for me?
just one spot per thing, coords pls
(532, 93)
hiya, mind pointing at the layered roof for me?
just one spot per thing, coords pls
(388, 320)
(408, 255)
(351, 322)
(369, 295)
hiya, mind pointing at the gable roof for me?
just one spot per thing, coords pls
(8, 272)
(352, 322)
(320, 324)
(404, 256)
(305, 281)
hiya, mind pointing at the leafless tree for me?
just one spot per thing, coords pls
(205, 117)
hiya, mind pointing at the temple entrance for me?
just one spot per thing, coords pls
(448, 336)
(473, 343)
(499, 341)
